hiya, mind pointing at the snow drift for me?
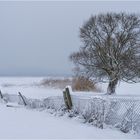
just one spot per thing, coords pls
(100, 111)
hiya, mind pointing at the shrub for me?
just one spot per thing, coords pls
(83, 84)
(77, 83)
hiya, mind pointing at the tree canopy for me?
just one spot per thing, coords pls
(110, 49)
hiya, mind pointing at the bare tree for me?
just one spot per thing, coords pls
(111, 49)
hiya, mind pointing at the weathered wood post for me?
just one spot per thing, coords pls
(67, 98)
(22, 98)
(1, 96)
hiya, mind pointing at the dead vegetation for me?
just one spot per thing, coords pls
(83, 84)
(77, 84)
(56, 83)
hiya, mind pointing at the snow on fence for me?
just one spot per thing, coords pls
(120, 113)
(101, 111)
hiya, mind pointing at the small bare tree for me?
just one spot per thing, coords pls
(111, 49)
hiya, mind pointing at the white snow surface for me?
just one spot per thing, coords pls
(27, 86)
(19, 122)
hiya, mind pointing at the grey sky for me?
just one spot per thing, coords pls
(36, 38)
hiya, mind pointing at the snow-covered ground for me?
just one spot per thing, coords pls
(27, 86)
(27, 123)
(22, 123)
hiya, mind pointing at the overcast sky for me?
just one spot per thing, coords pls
(36, 38)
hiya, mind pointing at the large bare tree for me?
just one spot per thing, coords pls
(111, 49)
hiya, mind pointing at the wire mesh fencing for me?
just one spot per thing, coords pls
(101, 111)
(121, 113)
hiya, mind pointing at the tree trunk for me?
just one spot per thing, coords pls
(112, 86)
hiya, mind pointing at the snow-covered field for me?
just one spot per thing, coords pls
(27, 86)
(22, 123)
(26, 123)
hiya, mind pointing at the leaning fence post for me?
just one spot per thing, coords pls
(1, 95)
(22, 98)
(68, 97)
(65, 99)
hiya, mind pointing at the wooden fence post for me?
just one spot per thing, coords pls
(67, 98)
(1, 95)
(22, 98)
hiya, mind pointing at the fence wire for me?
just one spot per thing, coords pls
(121, 113)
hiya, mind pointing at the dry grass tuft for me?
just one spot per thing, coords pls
(77, 84)
(83, 84)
